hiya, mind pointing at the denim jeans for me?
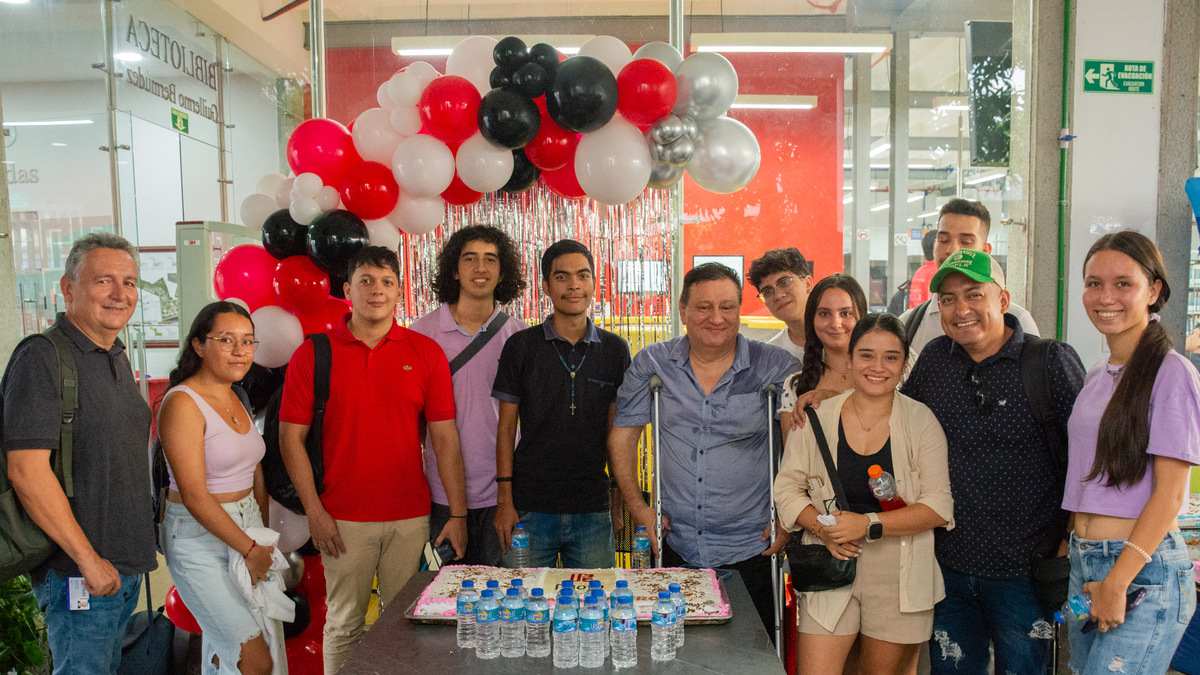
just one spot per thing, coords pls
(978, 612)
(1147, 640)
(86, 641)
(483, 545)
(584, 540)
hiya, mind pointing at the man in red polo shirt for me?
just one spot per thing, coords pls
(372, 519)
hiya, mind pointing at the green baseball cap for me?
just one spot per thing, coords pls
(975, 265)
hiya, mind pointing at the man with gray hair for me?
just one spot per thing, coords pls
(104, 532)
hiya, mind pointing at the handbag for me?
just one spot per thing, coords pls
(813, 567)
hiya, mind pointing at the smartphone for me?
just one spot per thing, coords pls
(445, 553)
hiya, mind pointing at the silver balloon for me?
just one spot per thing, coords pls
(727, 156)
(667, 129)
(664, 175)
(661, 52)
(295, 571)
(691, 128)
(680, 152)
(707, 86)
(658, 152)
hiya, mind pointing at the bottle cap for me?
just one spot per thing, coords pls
(487, 594)
(537, 592)
(468, 583)
(591, 600)
(640, 528)
(624, 600)
(567, 583)
(595, 583)
(513, 593)
(674, 588)
(596, 595)
(622, 583)
(492, 583)
(520, 526)
(664, 595)
(874, 471)
(1059, 618)
(516, 583)
(567, 590)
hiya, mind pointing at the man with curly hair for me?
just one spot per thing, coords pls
(478, 272)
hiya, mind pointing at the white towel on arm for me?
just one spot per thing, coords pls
(267, 599)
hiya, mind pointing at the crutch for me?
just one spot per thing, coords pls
(772, 391)
(656, 385)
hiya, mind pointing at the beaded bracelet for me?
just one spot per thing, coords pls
(1145, 556)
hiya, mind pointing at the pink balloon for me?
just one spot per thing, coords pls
(247, 272)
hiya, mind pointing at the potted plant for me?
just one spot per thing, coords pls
(23, 648)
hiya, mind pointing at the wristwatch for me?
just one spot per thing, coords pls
(875, 529)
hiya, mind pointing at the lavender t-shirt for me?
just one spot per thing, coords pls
(477, 413)
(1174, 433)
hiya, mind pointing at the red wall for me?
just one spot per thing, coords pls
(795, 200)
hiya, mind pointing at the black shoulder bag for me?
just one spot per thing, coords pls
(813, 567)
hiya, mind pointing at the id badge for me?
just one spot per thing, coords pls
(78, 597)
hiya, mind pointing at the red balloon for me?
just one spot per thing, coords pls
(324, 315)
(370, 190)
(178, 612)
(449, 109)
(553, 147)
(645, 91)
(459, 194)
(246, 271)
(563, 182)
(323, 147)
(300, 284)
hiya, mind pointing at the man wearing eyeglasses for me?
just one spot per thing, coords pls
(783, 279)
(1006, 471)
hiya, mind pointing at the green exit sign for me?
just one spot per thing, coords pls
(179, 120)
(1118, 77)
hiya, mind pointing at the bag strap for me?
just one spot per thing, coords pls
(322, 365)
(483, 337)
(1035, 377)
(245, 399)
(69, 376)
(914, 321)
(834, 480)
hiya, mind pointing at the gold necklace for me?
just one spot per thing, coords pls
(858, 417)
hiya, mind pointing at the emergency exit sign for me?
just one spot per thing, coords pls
(1118, 77)
(179, 120)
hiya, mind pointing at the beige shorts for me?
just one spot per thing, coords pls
(874, 607)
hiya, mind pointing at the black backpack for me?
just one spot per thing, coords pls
(899, 301)
(914, 319)
(23, 545)
(275, 475)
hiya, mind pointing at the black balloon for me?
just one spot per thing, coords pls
(510, 53)
(260, 384)
(508, 119)
(545, 56)
(524, 174)
(283, 237)
(500, 78)
(531, 80)
(584, 94)
(303, 615)
(334, 238)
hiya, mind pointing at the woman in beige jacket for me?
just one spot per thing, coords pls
(897, 582)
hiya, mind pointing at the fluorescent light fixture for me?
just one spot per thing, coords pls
(987, 177)
(911, 167)
(58, 144)
(442, 45)
(14, 2)
(792, 43)
(881, 207)
(49, 123)
(945, 104)
(928, 214)
(916, 198)
(847, 200)
(128, 57)
(880, 149)
(772, 102)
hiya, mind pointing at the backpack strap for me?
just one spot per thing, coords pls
(322, 365)
(914, 321)
(1035, 376)
(480, 341)
(69, 377)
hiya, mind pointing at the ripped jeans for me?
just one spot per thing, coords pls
(1147, 640)
(979, 615)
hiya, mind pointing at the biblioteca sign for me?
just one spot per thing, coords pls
(180, 56)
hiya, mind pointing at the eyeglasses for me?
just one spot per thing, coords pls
(225, 343)
(767, 293)
(983, 402)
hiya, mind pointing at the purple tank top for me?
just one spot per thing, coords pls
(229, 457)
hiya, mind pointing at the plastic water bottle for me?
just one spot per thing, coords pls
(602, 603)
(566, 633)
(621, 588)
(662, 629)
(465, 612)
(591, 634)
(641, 548)
(537, 624)
(680, 604)
(494, 586)
(519, 584)
(1079, 608)
(624, 634)
(520, 547)
(883, 486)
(512, 625)
(487, 626)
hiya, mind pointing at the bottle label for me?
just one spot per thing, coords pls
(662, 618)
(591, 625)
(641, 544)
(465, 607)
(487, 615)
(537, 615)
(564, 625)
(628, 625)
(513, 614)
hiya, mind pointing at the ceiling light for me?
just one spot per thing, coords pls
(14, 2)
(128, 57)
(58, 144)
(847, 200)
(987, 177)
(945, 104)
(916, 198)
(771, 102)
(793, 43)
(928, 214)
(49, 123)
(443, 45)
(880, 149)
(881, 207)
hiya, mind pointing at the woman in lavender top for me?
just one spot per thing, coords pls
(1134, 435)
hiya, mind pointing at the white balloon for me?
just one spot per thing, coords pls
(418, 215)
(304, 210)
(283, 194)
(483, 167)
(383, 97)
(609, 50)
(383, 233)
(405, 120)
(307, 185)
(279, 333)
(472, 59)
(423, 166)
(423, 71)
(328, 198)
(239, 302)
(374, 138)
(256, 208)
(269, 183)
(613, 163)
(291, 526)
(405, 88)
(661, 52)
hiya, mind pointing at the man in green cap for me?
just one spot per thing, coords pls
(1006, 464)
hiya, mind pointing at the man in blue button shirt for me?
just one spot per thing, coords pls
(715, 462)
